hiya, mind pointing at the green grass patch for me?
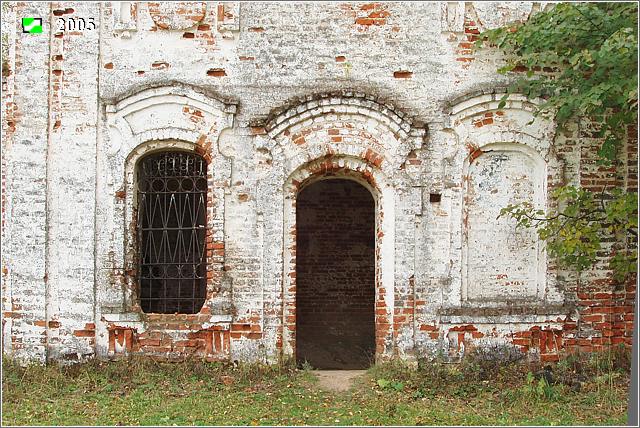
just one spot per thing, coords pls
(475, 392)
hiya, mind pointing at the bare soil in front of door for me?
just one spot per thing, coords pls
(337, 380)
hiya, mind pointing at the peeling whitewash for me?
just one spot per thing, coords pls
(502, 263)
(274, 96)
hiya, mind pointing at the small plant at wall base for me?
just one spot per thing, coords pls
(538, 389)
(581, 60)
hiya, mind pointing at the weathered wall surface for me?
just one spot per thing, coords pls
(497, 178)
(391, 95)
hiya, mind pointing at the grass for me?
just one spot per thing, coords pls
(475, 392)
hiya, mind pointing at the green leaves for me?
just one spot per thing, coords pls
(592, 48)
(576, 231)
(581, 59)
(390, 385)
(383, 383)
(540, 389)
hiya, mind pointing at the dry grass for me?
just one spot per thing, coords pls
(475, 392)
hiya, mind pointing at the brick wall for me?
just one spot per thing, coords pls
(606, 306)
(335, 275)
(390, 95)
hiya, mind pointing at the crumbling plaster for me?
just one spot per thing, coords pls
(274, 96)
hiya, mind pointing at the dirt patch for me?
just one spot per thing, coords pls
(337, 380)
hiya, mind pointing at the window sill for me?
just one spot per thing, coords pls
(142, 321)
(505, 313)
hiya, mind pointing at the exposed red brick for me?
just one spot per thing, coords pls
(379, 14)
(160, 65)
(216, 72)
(402, 74)
(14, 315)
(550, 358)
(365, 21)
(370, 6)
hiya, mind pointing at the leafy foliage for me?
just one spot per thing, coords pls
(388, 384)
(580, 60)
(539, 389)
(587, 56)
(575, 233)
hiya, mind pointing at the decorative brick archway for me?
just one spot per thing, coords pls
(345, 135)
(360, 171)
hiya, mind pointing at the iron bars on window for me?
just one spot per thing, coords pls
(172, 195)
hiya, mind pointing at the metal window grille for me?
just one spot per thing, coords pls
(172, 194)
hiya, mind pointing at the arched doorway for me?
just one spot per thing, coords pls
(335, 275)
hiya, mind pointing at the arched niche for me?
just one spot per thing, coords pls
(502, 155)
(157, 119)
(501, 262)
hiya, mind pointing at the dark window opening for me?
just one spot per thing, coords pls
(172, 195)
(335, 275)
(435, 197)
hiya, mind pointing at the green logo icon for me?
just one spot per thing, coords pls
(32, 25)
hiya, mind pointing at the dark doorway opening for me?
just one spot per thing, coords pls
(335, 275)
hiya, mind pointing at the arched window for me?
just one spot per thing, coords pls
(172, 195)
